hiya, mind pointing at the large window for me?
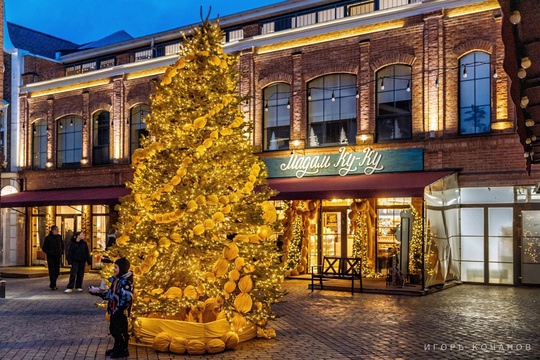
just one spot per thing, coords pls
(394, 119)
(137, 126)
(100, 138)
(474, 93)
(277, 117)
(69, 142)
(39, 144)
(331, 110)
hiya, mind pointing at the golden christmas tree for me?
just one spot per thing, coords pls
(197, 226)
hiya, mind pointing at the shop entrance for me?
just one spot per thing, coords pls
(530, 247)
(336, 240)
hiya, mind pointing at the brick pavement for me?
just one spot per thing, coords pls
(464, 322)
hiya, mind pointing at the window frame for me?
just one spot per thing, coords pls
(69, 141)
(136, 115)
(101, 127)
(39, 132)
(477, 110)
(320, 97)
(393, 85)
(278, 103)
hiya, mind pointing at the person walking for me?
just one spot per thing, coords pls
(118, 307)
(78, 256)
(53, 247)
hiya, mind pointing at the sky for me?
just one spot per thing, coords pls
(86, 21)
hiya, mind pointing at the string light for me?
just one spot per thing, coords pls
(309, 94)
(495, 75)
(382, 83)
(288, 103)
(357, 94)
(71, 122)
(464, 71)
(266, 106)
(333, 97)
(524, 101)
(515, 18)
(408, 86)
(61, 125)
(437, 82)
(521, 73)
(526, 62)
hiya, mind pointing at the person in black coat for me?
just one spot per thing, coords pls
(77, 257)
(53, 247)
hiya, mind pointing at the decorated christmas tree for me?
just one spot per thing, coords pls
(198, 227)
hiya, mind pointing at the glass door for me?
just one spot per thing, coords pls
(331, 233)
(530, 247)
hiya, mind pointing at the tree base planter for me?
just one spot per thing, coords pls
(179, 337)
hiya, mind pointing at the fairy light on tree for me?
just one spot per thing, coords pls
(197, 226)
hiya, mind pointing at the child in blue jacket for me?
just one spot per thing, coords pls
(119, 305)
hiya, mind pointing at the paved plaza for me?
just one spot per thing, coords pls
(463, 322)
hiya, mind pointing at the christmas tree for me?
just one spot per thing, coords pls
(197, 226)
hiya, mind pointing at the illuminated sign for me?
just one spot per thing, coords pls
(366, 162)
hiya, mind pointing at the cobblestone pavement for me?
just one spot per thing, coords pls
(464, 322)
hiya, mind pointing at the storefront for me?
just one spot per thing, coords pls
(423, 222)
(72, 210)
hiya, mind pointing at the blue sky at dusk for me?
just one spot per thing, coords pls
(86, 21)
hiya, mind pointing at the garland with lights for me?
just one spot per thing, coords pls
(198, 226)
(415, 244)
(362, 217)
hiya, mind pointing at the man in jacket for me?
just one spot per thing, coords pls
(53, 247)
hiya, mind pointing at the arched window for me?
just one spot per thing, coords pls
(137, 126)
(277, 117)
(331, 110)
(100, 138)
(394, 103)
(39, 144)
(69, 142)
(474, 93)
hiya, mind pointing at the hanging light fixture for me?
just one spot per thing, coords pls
(357, 94)
(529, 123)
(524, 101)
(333, 97)
(288, 103)
(525, 62)
(521, 73)
(437, 82)
(61, 125)
(464, 71)
(382, 83)
(71, 122)
(408, 86)
(266, 106)
(495, 75)
(309, 94)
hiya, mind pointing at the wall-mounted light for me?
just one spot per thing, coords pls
(515, 18)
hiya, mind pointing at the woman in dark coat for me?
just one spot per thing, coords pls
(53, 247)
(78, 256)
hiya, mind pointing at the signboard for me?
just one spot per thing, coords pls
(345, 162)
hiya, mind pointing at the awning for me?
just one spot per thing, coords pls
(405, 184)
(82, 196)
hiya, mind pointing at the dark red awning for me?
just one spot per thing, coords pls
(86, 196)
(406, 184)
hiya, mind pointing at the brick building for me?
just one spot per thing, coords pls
(399, 105)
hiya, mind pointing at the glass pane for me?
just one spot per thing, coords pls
(501, 273)
(452, 221)
(472, 271)
(472, 248)
(501, 249)
(466, 94)
(472, 222)
(482, 92)
(331, 245)
(500, 221)
(490, 195)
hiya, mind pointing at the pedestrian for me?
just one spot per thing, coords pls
(53, 247)
(78, 256)
(119, 297)
(111, 238)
